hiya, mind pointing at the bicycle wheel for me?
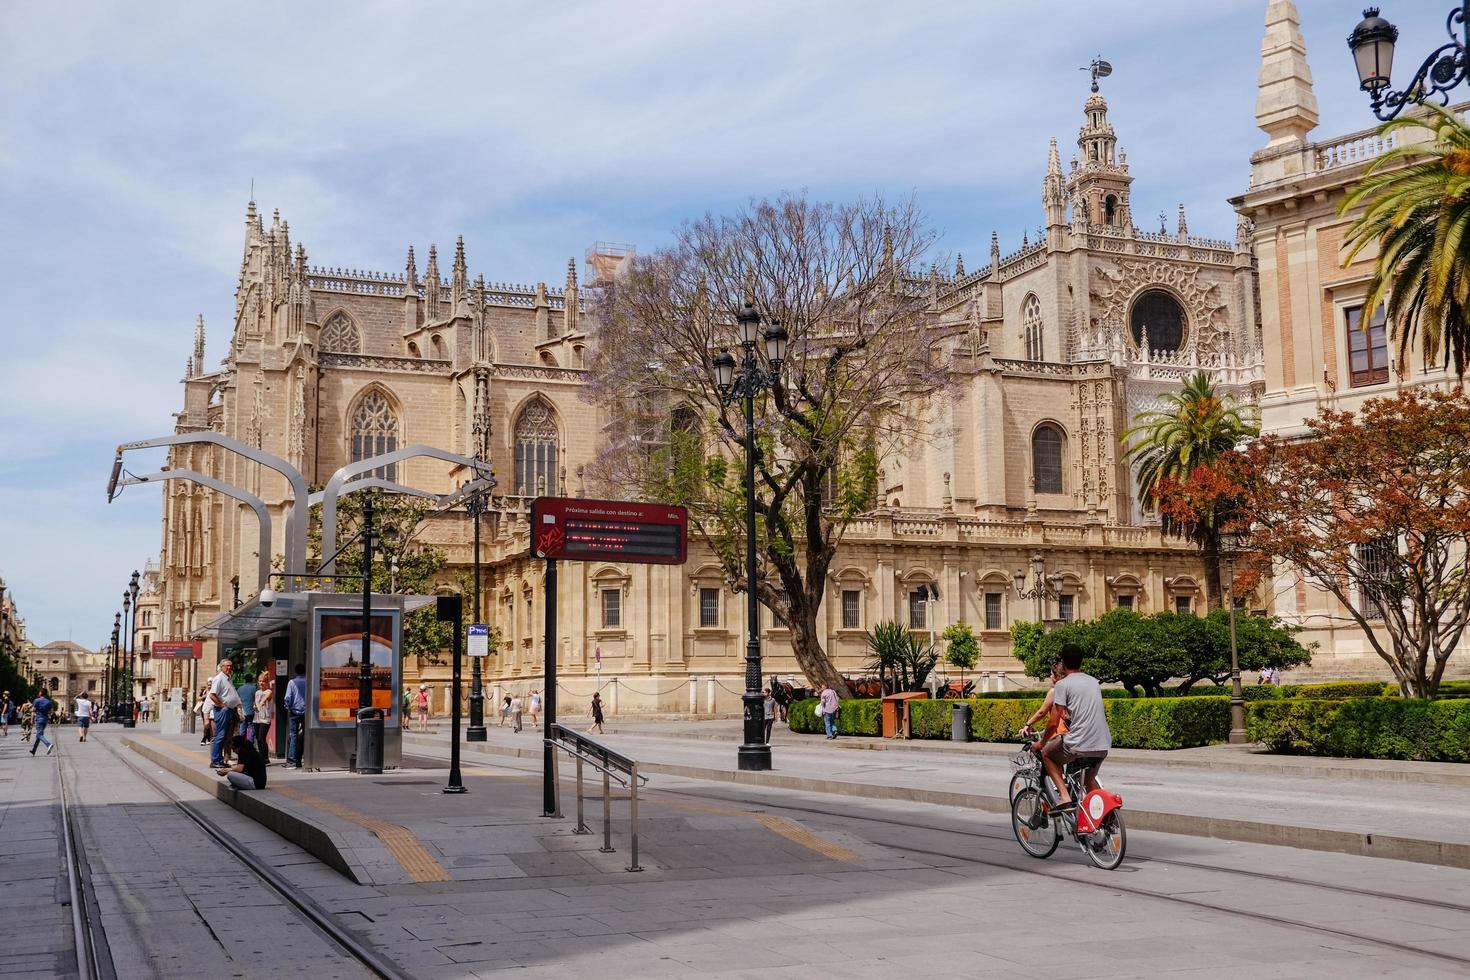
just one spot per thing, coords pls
(1019, 781)
(1037, 833)
(1106, 845)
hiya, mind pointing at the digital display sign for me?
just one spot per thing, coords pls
(609, 530)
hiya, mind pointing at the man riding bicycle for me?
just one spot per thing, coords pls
(1077, 728)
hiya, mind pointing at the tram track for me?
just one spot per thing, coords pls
(93, 955)
(321, 919)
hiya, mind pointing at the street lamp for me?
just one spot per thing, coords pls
(1045, 587)
(1232, 543)
(1372, 42)
(475, 507)
(749, 380)
(131, 641)
(112, 667)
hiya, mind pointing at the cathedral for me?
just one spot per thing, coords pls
(1069, 337)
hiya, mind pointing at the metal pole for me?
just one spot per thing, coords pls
(581, 827)
(754, 754)
(477, 731)
(550, 805)
(607, 847)
(365, 672)
(1237, 697)
(633, 816)
(456, 780)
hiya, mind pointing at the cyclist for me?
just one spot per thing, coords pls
(1029, 729)
(1077, 710)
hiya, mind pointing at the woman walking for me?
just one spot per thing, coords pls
(7, 714)
(597, 714)
(535, 706)
(201, 708)
(421, 707)
(265, 711)
(505, 711)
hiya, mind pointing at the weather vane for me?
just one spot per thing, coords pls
(1099, 69)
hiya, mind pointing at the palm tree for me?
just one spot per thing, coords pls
(1419, 217)
(1195, 427)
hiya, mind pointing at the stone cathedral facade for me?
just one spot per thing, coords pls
(1064, 341)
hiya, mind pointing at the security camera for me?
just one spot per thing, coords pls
(267, 597)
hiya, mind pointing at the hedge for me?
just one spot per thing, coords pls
(855, 716)
(1339, 690)
(1364, 728)
(1136, 723)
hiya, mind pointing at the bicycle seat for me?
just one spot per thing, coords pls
(1082, 765)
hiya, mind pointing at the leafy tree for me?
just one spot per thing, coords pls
(1196, 426)
(1025, 641)
(961, 649)
(397, 520)
(1416, 210)
(12, 676)
(1372, 506)
(899, 653)
(863, 361)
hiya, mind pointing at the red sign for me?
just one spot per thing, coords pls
(609, 530)
(178, 650)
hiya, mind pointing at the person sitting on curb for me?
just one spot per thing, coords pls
(248, 772)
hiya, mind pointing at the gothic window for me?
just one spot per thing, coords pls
(1046, 459)
(340, 335)
(1110, 210)
(1158, 314)
(375, 432)
(537, 448)
(1031, 318)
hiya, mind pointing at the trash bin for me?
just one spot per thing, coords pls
(370, 740)
(959, 721)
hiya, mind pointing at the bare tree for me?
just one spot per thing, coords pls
(866, 355)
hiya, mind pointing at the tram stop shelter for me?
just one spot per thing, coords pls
(323, 632)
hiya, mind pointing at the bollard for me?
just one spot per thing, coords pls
(633, 864)
(607, 847)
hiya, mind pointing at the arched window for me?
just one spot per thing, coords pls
(537, 448)
(1110, 210)
(375, 431)
(339, 335)
(1031, 317)
(1159, 316)
(1046, 459)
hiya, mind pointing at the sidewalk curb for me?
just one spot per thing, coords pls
(324, 844)
(1417, 850)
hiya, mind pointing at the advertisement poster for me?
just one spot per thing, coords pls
(337, 640)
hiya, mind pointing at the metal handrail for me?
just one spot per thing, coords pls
(612, 765)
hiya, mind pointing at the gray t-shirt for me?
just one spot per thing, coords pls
(1087, 725)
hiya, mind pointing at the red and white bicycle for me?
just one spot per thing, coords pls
(1096, 824)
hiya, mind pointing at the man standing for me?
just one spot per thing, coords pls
(515, 711)
(296, 718)
(247, 706)
(41, 712)
(84, 717)
(223, 699)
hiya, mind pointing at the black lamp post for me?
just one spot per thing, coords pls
(1232, 543)
(746, 381)
(475, 506)
(111, 693)
(132, 643)
(121, 688)
(1371, 43)
(1045, 586)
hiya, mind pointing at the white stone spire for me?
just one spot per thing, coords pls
(1286, 107)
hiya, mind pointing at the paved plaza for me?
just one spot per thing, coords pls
(738, 881)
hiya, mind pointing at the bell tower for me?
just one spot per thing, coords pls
(1099, 180)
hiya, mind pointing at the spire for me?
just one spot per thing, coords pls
(198, 361)
(959, 266)
(994, 251)
(1053, 197)
(888, 248)
(1286, 107)
(1183, 224)
(1053, 160)
(571, 309)
(411, 272)
(432, 282)
(459, 289)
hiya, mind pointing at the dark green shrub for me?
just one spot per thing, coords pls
(1447, 689)
(1168, 723)
(802, 717)
(860, 716)
(1368, 728)
(930, 719)
(1337, 690)
(999, 720)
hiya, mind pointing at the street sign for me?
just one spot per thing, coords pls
(178, 650)
(479, 640)
(610, 530)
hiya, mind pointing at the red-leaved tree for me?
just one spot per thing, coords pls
(1374, 507)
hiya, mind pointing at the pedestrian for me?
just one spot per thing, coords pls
(224, 699)
(597, 714)
(828, 707)
(505, 711)
(27, 720)
(296, 718)
(248, 772)
(265, 711)
(206, 718)
(769, 705)
(8, 715)
(421, 707)
(143, 707)
(535, 706)
(41, 709)
(247, 706)
(84, 717)
(515, 712)
(778, 691)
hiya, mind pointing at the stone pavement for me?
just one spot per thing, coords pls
(1310, 807)
(34, 920)
(759, 882)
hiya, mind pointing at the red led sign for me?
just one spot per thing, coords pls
(609, 530)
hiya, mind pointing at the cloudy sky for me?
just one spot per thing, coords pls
(130, 135)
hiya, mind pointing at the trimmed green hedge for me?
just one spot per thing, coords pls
(1364, 728)
(856, 716)
(1137, 723)
(1339, 690)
